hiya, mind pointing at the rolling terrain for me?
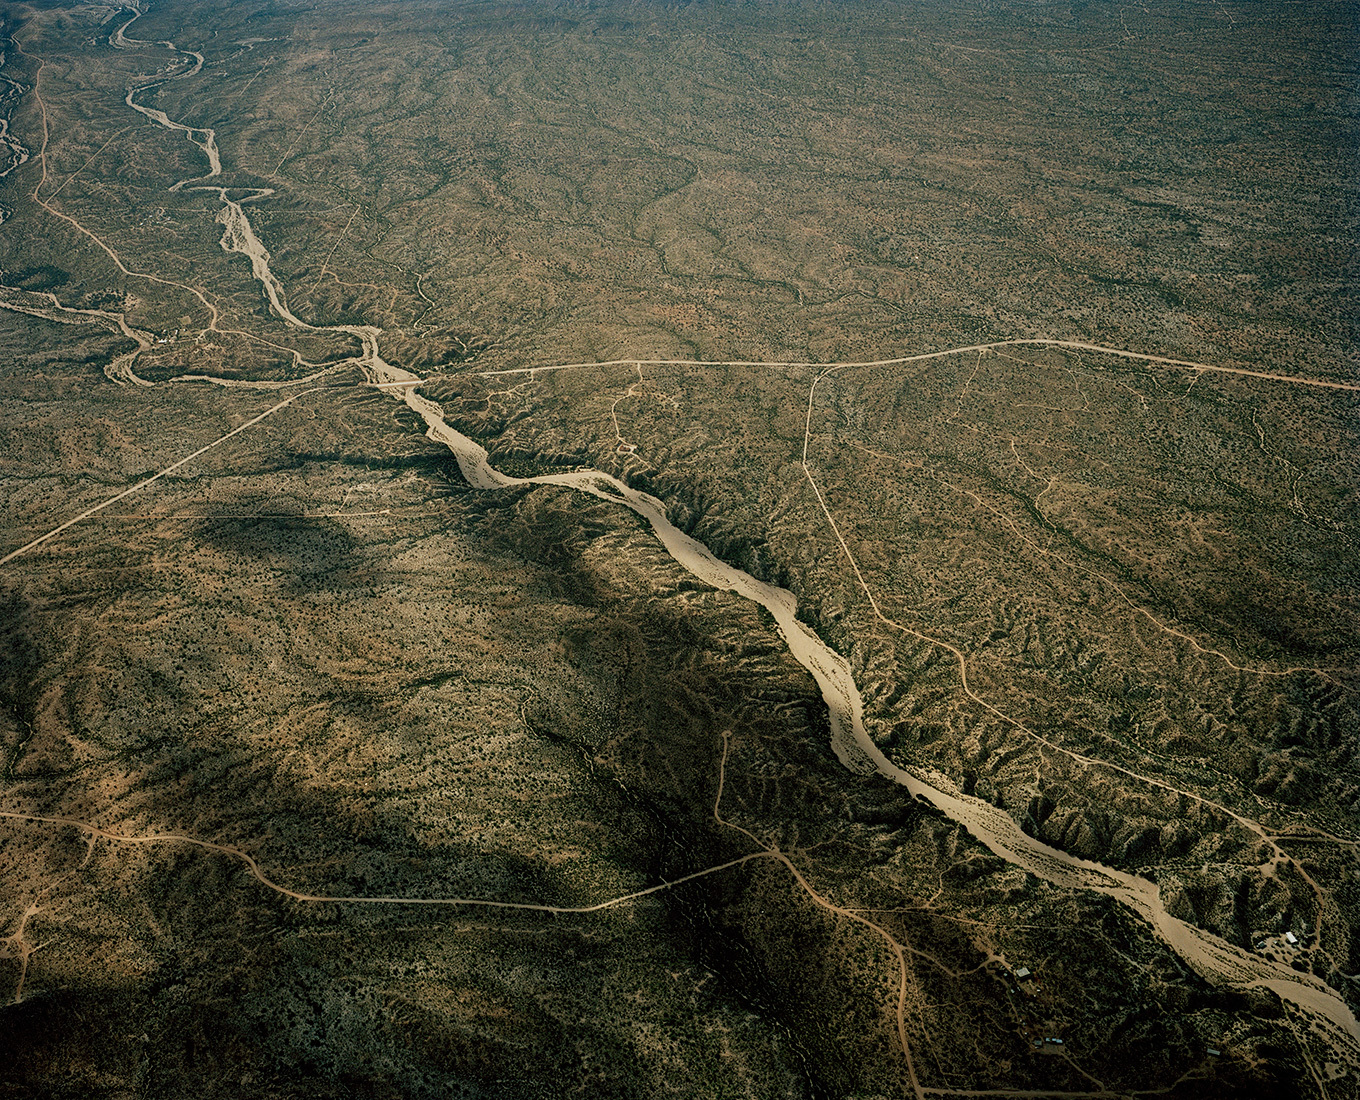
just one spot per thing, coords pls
(703, 551)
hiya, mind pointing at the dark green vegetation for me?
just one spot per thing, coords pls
(316, 645)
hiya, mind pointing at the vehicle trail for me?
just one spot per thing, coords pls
(303, 134)
(88, 161)
(1078, 345)
(152, 479)
(898, 949)
(16, 946)
(257, 872)
(120, 370)
(325, 264)
(961, 660)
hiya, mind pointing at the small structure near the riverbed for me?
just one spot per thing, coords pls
(1023, 974)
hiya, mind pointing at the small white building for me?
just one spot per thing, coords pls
(1291, 939)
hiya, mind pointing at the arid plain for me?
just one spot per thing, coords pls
(418, 420)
